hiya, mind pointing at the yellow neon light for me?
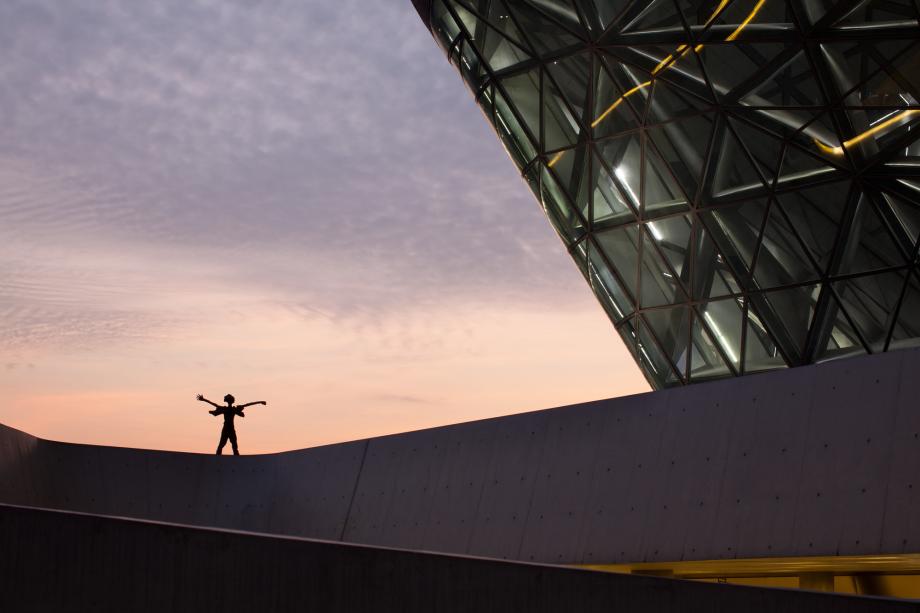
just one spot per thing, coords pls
(745, 23)
(618, 101)
(863, 136)
(684, 49)
(555, 159)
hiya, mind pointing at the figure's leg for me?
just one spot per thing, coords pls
(223, 441)
(236, 450)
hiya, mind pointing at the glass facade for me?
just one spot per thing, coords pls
(738, 180)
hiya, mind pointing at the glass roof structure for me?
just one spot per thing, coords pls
(737, 180)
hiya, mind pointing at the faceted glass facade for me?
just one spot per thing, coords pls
(738, 180)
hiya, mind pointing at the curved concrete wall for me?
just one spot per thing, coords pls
(817, 460)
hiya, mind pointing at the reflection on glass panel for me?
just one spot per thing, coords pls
(662, 194)
(760, 352)
(557, 207)
(672, 235)
(623, 157)
(842, 339)
(711, 275)
(611, 206)
(514, 137)
(672, 329)
(494, 35)
(723, 318)
(621, 246)
(523, 93)
(781, 259)
(443, 26)
(683, 145)
(654, 361)
(659, 285)
(871, 302)
(792, 310)
(705, 360)
(560, 127)
(869, 245)
(606, 287)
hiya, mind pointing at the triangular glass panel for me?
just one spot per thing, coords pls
(760, 351)
(871, 301)
(682, 69)
(561, 128)
(906, 220)
(493, 13)
(906, 332)
(783, 123)
(599, 14)
(547, 33)
(558, 209)
(816, 214)
(629, 332)
(662, 195)
(789, 313)
(736, 229)
(606, 287)
(800, 167)
(820, 137)
(657, 282)
(781, 259)
(497, 40)
(705, 360)
(723, 318)
(623, 156)
(868, 245)
(673, 238)
(658, 16)
(523, 92)
(729, 66)
(621, 246)
(765, 149)
(711, 275)
(515, 138)
(734, 175)
(668, 102)
(874, 12)
(842, 339)
(611, 206)
(620, 95)
(572, 74)
(684, 144)
(856, 68)
(571, 169)
(793, 84)
(652, 359)
(671, 327)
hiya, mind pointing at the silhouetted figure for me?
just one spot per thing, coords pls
(229, 412)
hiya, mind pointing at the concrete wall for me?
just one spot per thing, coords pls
(60, 561)
(817, 460)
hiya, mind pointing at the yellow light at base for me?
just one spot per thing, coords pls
(897, 119)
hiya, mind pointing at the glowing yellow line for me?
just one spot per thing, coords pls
(555, 159)
(618, 101)
(863, 136)
(745, 23)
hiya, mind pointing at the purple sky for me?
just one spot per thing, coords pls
(296, 200)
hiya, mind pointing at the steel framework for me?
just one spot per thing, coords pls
(738, 180)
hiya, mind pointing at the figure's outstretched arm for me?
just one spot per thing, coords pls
(249, 404)
(203, 399)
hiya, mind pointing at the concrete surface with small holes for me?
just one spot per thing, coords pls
(813, 461)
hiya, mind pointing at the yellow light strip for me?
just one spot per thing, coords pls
(555, 159)
(863, 136)
(618, 101)
(682, 50)
(668, 62)
(745, 23)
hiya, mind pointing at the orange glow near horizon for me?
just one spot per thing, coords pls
(324, 381)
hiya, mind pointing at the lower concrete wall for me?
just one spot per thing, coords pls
(59, 561)
(817, 460)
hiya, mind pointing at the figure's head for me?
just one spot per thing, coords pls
(229, 399)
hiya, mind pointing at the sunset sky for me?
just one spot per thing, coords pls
(291, 200)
